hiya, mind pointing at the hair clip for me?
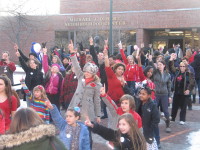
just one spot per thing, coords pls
(40, 87)
(77, 109)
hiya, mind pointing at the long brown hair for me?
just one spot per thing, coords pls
(135, 135)
(8, 89)
(24, 119)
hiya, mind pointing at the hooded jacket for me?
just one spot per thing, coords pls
(41, 137)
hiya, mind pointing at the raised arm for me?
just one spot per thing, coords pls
(105, 51)
(122, 53)
(77, 69)
(45, 60)
(93, 52)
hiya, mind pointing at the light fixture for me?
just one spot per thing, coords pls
(167, 30)
(176, 32)
(194, 29)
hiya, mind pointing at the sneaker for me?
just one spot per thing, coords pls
(159, 146)
(181, 122)
(162, 114)
(168, 130)
(104, 117)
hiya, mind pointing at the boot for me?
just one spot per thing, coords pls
(168, 130)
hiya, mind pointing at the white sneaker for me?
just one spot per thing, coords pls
(181, 122)
(162, 114)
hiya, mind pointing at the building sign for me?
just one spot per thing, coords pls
(96, 21)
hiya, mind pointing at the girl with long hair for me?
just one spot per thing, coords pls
(127, 136)
(8, 102)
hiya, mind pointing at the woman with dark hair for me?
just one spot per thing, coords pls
(162, 81)
(8, 102)
(28, 131)
(34, 75)
(183, 85)
(115, 78)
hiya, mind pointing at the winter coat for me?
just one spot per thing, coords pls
(7, 69)
(33, 77)
(116, 111)
(57, 83)
(41, 137)
(87, 97)
(188, 83)
(162, 82)
(196, 65)
(61, 124)
(150, 119)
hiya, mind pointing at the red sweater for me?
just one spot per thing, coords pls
(132, 71)
(115, 90)
(7, 109)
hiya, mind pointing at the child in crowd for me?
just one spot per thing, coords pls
(37, 100)
(73, 134)
(2, 123)
(150, 117)
(53, 80)
(127, 136)
(146, 79)
(127, 105)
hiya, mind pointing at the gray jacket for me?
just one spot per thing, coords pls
(87, 97)
(162, 83)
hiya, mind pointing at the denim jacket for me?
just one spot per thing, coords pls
(61, 124)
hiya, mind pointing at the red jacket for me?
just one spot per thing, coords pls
(132, 72)
(115, 90)
(119, 110)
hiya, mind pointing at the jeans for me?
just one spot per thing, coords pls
(131, 85)
(163, 100)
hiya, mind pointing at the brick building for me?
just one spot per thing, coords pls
(134, 21)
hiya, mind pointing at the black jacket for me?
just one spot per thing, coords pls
(111, 135)
(34, 77)
(150, 119)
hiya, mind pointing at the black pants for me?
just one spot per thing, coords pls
(179, 101)
(54, 99)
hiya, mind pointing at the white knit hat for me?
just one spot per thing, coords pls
(91, 68)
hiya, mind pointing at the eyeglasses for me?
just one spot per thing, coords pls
(182, 66)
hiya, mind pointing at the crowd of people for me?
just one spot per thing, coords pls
(90, 85)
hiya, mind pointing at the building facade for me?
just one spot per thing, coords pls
(161, 23)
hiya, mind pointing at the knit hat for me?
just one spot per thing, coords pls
(57, 65)
(91, 68)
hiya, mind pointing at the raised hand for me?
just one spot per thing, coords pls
(48, 104)
(106, 42)
(18, 54)
(120, 45)
(88, 123)
(91, 41)
(71, 47)
(44, 50)
(16, 47)
(102, 90)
